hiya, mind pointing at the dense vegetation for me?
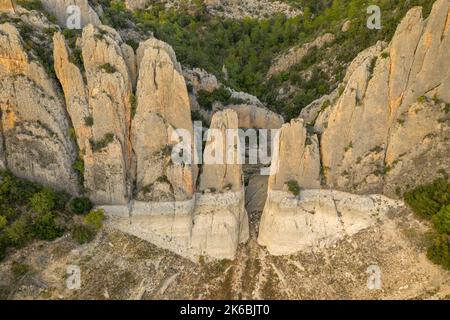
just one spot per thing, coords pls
(247, 47)
(30, 211)
(432, 202)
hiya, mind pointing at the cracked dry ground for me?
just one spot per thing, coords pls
(119, 266)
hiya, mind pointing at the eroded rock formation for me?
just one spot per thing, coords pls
(117, 118)
(399, 96)
(62, 11)
(211, 222)
(34, 126)
(387, 128)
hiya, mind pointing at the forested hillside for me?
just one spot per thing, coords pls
(247, 47)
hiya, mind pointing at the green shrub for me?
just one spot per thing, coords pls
(9, 213)
(293, 187)
(4, 244)
(80, 205)
(197, 116)
(441, 220)
(78, 165)
(95, 219)
(427, 200)
(206, 99)
(133, 103)
(16, 191)
(439, 252)
(89, 121)
(422, 99)
(3, 222)
(30, 4)
(43, 201)
(108, 68)
(372, 65)
(45, 228)
(83, 234)
(72, 134)
(19, 232)
(447, 108)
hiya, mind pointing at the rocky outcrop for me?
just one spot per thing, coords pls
(296, 158)
(100, 110)
(7, 6)
(398, 95)
(256, 193)
(221, 221)
(34, 125)
(59, 8)
(387, 128)
(317, 218)
(122, 115)
(295, 55)
(136, 4)
(162, 107)
(254, 117)
(259, 9)
(201, 80)
(222, 169)
(107, 153)
(213, 222)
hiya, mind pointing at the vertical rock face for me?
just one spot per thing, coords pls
(297, 158)
(162, 107)
(398, 95)
(220, 218)
(100, 111)
(108, 168)
(317, 218)
(59, 9)
(34, 126)
(6, 6)
(212, 223)
(222, 169)
(389, 129)
(75, 92)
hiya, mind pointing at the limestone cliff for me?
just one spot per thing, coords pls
(390, 126)
(162, 107)
(116, 118)
(212, 222)
(385, 130)
(34, 126)
(100, 111)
